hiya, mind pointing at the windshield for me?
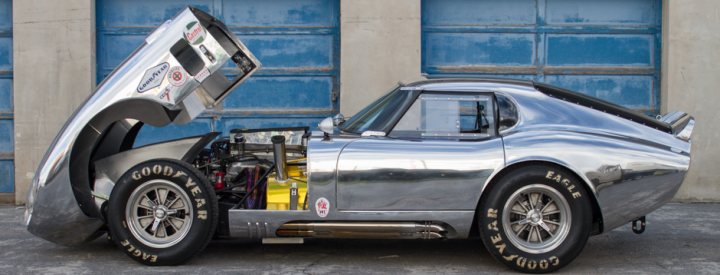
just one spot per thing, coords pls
(377, 115)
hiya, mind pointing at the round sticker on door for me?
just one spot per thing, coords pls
(322, 207)
(177, 76)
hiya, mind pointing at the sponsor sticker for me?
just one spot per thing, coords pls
(153, 77)
(167, 93)
(322, 207)
(177, 76)
(194, 33)
(202, 75)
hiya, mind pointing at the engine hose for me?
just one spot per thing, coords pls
(262, 181)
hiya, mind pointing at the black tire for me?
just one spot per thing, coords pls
(519, 253)
(176, 177)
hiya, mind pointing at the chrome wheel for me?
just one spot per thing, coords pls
(536, 218)
(159, 214)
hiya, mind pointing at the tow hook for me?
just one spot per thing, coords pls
(638, 225)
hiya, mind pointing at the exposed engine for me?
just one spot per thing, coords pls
(257, 169)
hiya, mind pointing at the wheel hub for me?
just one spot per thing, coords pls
(160, 213)
(536, 218)
(533, 217)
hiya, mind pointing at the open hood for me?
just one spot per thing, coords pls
(176, 74)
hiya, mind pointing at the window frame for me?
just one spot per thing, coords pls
(489, 94)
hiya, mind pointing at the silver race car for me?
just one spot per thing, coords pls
(533, 170)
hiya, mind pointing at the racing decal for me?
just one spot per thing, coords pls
(194, 33)
(552, 175)
(202, 75)
(322, 207)
(166, 94)
(177, 76)
(153, 77)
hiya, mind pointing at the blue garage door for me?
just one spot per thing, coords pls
(7, 182)
(296, 40)
(609, 49)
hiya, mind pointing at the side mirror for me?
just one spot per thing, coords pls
(327, 126)
(338, 119)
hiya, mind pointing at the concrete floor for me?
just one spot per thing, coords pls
(680, 238)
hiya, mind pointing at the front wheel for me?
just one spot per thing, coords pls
(535, 219)
(162, 212)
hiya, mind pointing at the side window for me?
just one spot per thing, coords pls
(508, 116)
(448, 116)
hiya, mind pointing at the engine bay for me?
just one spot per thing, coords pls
(258, 169)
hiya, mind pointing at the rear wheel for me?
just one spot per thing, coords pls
(535, 219)
(162, 212)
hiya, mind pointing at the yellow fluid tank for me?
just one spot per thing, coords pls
(278, 193)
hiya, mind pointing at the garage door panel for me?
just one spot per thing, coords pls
(5, 14)
(262, 92)
(6, 95)
(292, 52)
(282, 13)
(5, 53)
(483, 12)
(143, 13)
(605, 12)
(600, 50)
(456, 49)
(115, 48)
(7, 143)
(268, 122)
(634, 91)
(150, 134)
(7, 181)
(296, 40)
(609, 49)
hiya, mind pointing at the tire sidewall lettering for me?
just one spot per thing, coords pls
(137, 253)
(565, 182)
(191, 187)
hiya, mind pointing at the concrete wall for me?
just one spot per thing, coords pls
(54, 44)
(691, 83)
(379, 46)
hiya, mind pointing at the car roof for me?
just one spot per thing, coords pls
(474, 84)
(467, 83)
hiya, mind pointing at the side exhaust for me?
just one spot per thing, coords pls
(366, 230)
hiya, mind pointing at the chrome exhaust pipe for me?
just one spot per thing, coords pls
(365, 230)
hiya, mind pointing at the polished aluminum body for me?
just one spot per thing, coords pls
(367, 184)
(630, 169)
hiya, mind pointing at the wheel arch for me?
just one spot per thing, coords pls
(597, 218)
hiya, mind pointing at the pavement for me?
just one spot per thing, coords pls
(680, 238)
